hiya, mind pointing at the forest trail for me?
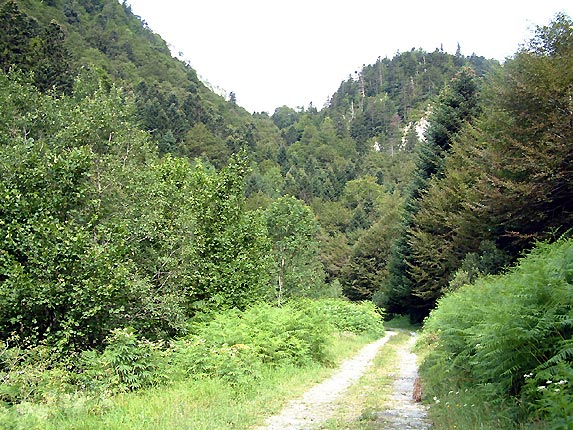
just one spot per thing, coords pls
(321, 402)
(400, 412)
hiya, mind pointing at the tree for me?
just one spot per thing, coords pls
(34, 48)
(202, 142)
(231, 258)
(457, 105)
(67, 279)
(508, 177)
(98, 233)
(293, 231)
(367, 266)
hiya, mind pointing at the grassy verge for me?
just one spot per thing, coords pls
(356, 410)
(189, 404)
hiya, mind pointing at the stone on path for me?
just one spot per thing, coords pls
(401, 412)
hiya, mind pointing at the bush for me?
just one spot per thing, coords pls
(494, 332)
(31, 375)
(234, 345)
(197, 358)
(358, 318)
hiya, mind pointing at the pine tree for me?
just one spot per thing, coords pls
(457, 104)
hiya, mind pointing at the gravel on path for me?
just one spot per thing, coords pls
(400, 411)
(319, 403)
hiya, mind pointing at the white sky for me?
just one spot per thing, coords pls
(274, 53)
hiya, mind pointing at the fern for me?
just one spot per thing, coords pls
(492, 333)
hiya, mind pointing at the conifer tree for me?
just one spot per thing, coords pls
(508, 178)
(457, 104)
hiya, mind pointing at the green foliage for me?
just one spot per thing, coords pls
(36, 49)
(551, 388)
(367, 265)
(262, 335)
(488, 260)
(293, 229)
(58, 283)
(31, 375)
(409, 269)
(126, 364)
(236, 345)
(354, 317)
(198, 358)
(503, 180)
(232, 261)
(98, 233)
(491, 334)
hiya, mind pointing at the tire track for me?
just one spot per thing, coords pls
(319, 403)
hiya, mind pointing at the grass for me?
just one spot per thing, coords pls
(357, 409)
(401, 322)
(192, 405)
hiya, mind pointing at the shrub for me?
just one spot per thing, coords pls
(236, 345)
(195, 357)
(30, 375)
(359, 318)
(276, 336)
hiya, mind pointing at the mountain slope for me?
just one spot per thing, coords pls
(106, 37)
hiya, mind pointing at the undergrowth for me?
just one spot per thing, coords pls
(237, 350)
(499, 353)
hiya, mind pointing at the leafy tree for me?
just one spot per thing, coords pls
(528, 186)
(201, 142)
(232, 258)
(284, 117)
(293, 231)
(98, 233)
(66, 278)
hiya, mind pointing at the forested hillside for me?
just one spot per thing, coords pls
(135, 198)
(351, 162)
(57, 39)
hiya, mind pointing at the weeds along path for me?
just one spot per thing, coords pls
(319, 403)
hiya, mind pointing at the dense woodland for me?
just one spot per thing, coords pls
(134, 197)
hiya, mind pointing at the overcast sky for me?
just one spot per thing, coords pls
(274, 53)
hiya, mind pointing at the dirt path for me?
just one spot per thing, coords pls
(318, 403)
(400, 412)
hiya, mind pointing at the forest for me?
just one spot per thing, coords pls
(146, 221)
